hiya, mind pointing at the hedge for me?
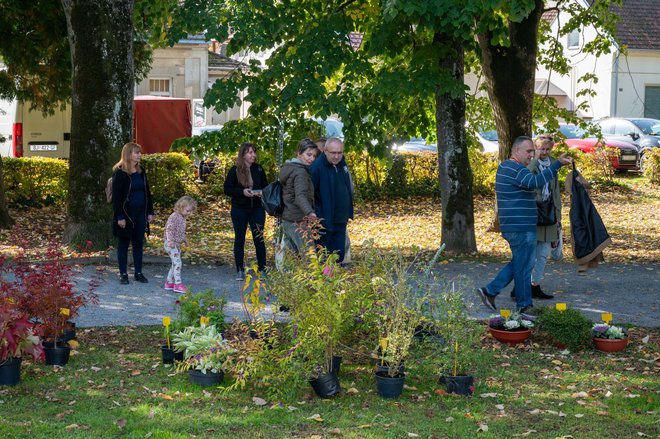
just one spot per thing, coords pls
(41, 181)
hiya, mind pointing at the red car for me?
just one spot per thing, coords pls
(628, 160)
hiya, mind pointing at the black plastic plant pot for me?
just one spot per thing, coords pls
(385, 368)
(336, 364)
(459, 384)
(56, 355)
(205, 379)
(10, 372)
(69, 331)
(170, 355)
(389, 387)
(326, 385)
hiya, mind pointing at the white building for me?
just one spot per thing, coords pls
(628, 83)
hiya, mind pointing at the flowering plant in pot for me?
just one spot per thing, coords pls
(510, 328)
(609, 338)
(16, 341)
(205, 352)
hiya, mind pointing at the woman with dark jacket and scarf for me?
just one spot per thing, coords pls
(133, 209)
(243, 184)
(298, 196)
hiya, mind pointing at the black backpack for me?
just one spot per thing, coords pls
(272, 200)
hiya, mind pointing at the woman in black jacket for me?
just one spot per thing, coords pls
(243, 184)
(133, 209)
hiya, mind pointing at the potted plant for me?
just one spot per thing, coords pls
(48, 294)
(322, 309)
(16, 341)
(609, 338)
(205, 353)
(456, 359)
(399, 308)
(568, 328)
(512, 330)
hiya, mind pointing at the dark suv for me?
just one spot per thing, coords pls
(641, 131)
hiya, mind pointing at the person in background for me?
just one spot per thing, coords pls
(298, 196)
(546, 236)
(133, 210)
(333, 196)
(243, 184)
(175, 237)
(517, 213)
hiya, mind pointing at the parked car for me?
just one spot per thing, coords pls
(415, 145)
(629, 154)
(488, 140)
(643, 132)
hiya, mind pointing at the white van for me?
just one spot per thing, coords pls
(25, 133)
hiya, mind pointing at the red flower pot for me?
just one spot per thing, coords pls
(610, 345)
(510, 337)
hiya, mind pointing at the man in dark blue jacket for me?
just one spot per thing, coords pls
(517, 214)
(333, 196)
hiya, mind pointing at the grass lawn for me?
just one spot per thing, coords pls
(115, 386)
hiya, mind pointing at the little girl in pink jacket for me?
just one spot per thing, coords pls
(175, 236)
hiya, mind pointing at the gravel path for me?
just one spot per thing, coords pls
(631, 292)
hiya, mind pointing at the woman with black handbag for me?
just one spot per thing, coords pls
(133, 210)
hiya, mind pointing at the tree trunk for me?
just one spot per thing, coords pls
(6, 220)
(510, 73)
(101, 39)
(453, 163)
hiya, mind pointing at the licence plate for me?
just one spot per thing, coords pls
(629, 158)
(48, 147)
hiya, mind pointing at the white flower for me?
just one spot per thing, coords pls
(526, 323)
(511, 324)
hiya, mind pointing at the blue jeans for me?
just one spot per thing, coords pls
(543, 250)
(523, 251)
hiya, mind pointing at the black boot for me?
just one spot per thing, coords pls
(513, 294)
(537, 293)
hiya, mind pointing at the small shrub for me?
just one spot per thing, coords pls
(569, 327)
(651, 165)
(484, 168)
(35, 181)
(171, 176)
(596, 167)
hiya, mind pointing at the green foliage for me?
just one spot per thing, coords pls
(170, 176)
(569, 327)
(596, 167)
(203, 348)
(35, 181)
(651, 165)
(190, 307)
(484, 167)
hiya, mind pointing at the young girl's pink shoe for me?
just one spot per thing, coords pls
(180, 288)
(169, 286)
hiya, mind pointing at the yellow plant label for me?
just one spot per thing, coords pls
(65, 311)
(203, 320)
(166, 321)
(505, 313)
(560, 306)
(607, 317)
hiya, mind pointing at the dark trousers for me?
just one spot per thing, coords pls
(240, 219)
(335, 240)
(137, 241)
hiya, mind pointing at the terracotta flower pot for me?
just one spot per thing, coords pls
(610, 345)
(510, 337)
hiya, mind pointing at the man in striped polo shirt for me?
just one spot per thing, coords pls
(516, 210)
